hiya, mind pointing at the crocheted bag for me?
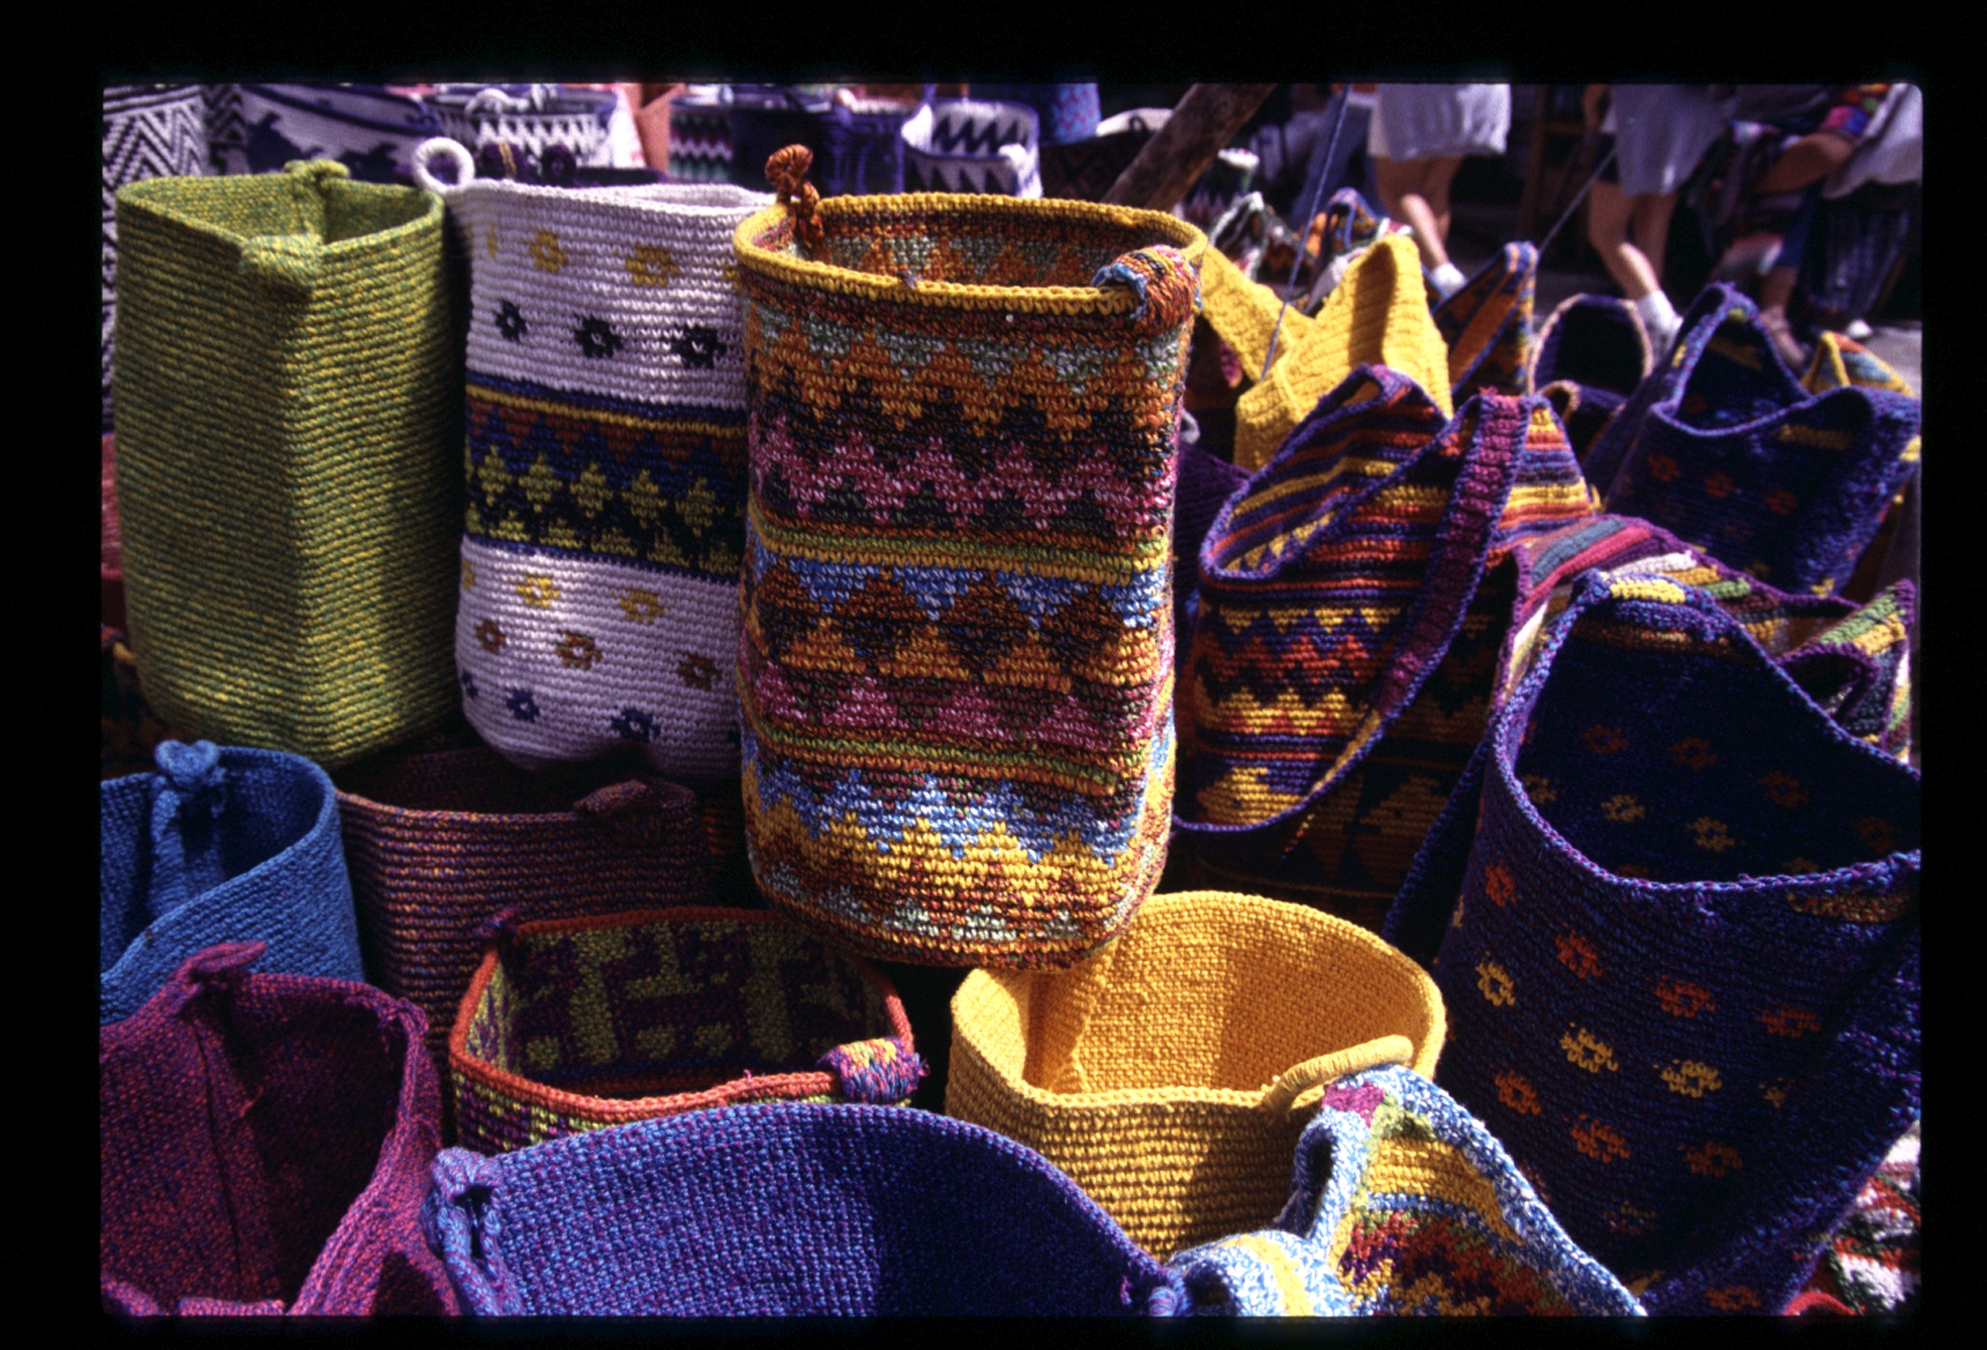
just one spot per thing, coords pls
(265, 1142)
(372, 131)
(1162, 1074)
(540, 120)
(699, 136)
(578, 1024)
(1401, 1203)
(149, 131)
(288, 403)
(1870, 1265)
(219, 846)
(1683, 971)
(606, 468)
(857, 142)
(1727, 451)
(956, 668)
(970, 145)
(1487, 323)
(1591, 354)
(782, 1210)
(439, 842)
(1066, 112)
(1351, 602)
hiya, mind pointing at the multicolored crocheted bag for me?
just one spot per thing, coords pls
(219, 846)
(1871, 1264)
(1726, 450)
(971, 145)
(783, 1210)
(1343, 648)
(1683, 970)
(544, 121)
(149, 131)
(289, 396)
(1401, 1203)
(956, 669)
(265, 1143)
(606, 468)
(1487, 323)
(440, 842)
(578, 1024)
(1165, 1073)
(1592, 353)
(1067, 112)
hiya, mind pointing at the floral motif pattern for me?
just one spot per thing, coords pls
(1519, 1095)
(640, 606)
(1692, 1078)
(546, 255)
(577, 651)
(632, 724)
(1694, 753)
(1712, 1159)
(1604, 740)
(1496, 984)
(537, 590)
(522, 705)
(1783, 789)
(1715, 835)
(1623, 808)
(1602, 1143)
(1681, 998)
(1585, 1050)
(1578, 955)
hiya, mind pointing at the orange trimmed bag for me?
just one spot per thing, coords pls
(1171, 1075)
(573, 1025)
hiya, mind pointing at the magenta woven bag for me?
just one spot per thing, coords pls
(264, 1147)
(437, 843)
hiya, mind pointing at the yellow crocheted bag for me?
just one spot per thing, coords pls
(1378, 315)
(1171, 1074)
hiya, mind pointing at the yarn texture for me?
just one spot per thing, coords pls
(783, 1210)
(288, 391)
(1401, 1203)
(579, 1024)
(265, 1143)
(1487, 325)
(1591, 354)
(1161, 1074)
(606, 469)
(956, 667)
(220, 845)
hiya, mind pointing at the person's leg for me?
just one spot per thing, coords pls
(1808, 160)
(1651, 227)
(1609, 218)
(1436, 176)
(1776, 288)
(1401, 182)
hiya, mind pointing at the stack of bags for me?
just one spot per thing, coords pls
(616, 688)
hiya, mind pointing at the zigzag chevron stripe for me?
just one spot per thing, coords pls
(150, 131)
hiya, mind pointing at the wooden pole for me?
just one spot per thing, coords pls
(1171, 162)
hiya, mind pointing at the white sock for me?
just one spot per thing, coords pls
(1660, 317)
(1448, 279)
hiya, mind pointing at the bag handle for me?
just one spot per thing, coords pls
(786, 170)
(436, 148)
(1282, 1094)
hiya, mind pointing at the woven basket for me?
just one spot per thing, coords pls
(219, 846)
(581, 1024)
(437, 843)
(783, 1210)
(957, 663)
(265, 1145)
(1683, 971)
(289, 398)
(606, 468)
(1724, 448)
(1163, 1074)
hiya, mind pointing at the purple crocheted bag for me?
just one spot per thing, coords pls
(1683, 973)
(1726, 450)
(783, 1210)
(265, 1144)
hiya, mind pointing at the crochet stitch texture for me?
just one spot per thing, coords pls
(956, 667)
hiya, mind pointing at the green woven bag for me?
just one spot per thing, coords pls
(289, 396)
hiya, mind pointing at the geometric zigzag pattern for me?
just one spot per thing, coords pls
(956, 664)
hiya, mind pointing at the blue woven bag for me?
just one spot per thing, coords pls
(785, 1209)
(1401, 1203)
(1724, 448)
(1683, 970)
(220, 846)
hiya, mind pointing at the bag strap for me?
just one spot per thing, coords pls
(1282, 1094)
(786, 170)
(1455, 569)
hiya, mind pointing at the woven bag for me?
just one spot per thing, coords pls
(1683, 969)
(219, 846)
(265, 1144)
(956, 668)
(1162, 1073)
(1487, 324)
(579, 1024)
(606, 468)
(699, 136)
(1726, 450)
(371, 130)
(1871, 1263)
(782, 1210)
(1067, 112)
(149, 131)
(1350, 607)
(438, 843)
(288, 400)
(536, 119)
(1401, 1204)
(972, 145)
(1592, 353)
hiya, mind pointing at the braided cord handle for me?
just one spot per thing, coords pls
(786, 170)
(1293, 1082)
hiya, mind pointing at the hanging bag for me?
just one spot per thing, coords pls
(578, 1024)
(1168, 1074)
(220, 845)
(265, 1142)
(956, 663)
(288, 395)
